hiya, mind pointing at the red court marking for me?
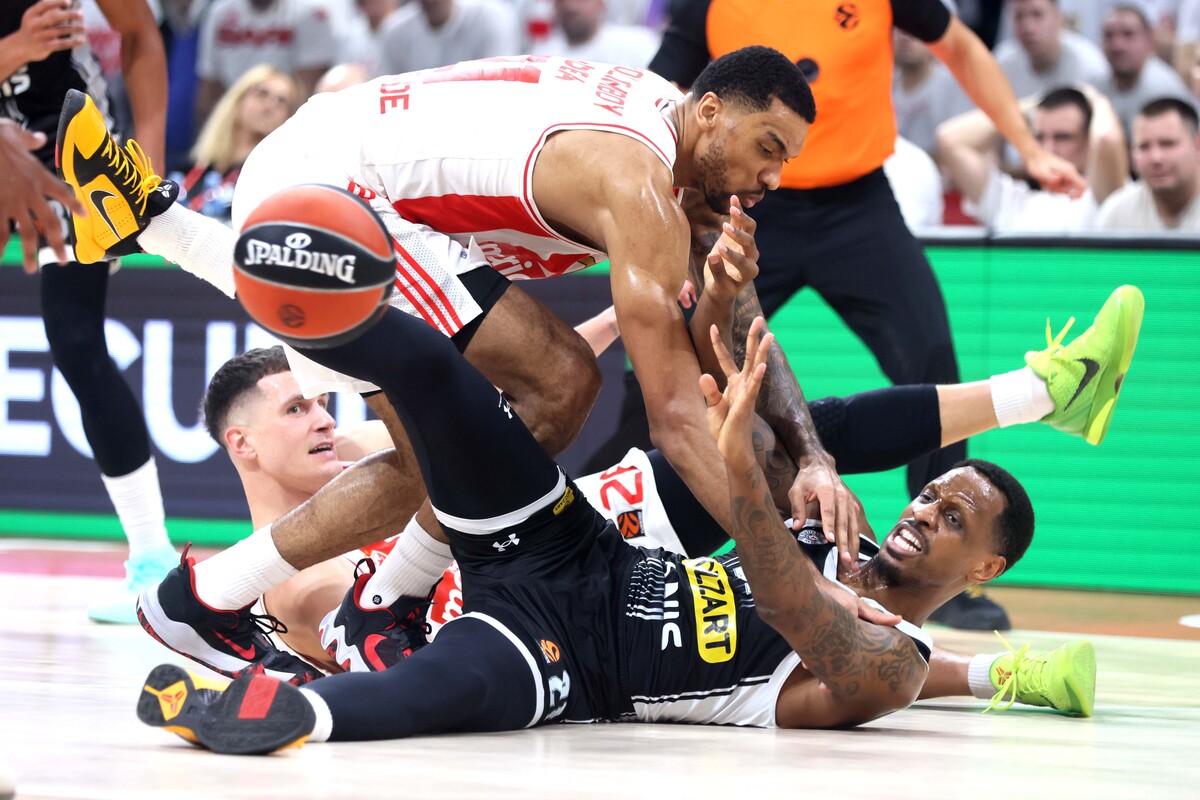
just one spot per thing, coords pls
(71, 563)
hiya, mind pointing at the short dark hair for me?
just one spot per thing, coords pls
(1014, 526)
(1136, 10)
(1165, 105)
(233, 380)
(1065, 96)
(754, 76)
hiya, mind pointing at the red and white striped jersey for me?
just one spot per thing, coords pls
(453, 148)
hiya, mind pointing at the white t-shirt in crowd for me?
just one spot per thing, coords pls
(630, 45)
(290, 35)
(1131, 208)
(476, 29)
(917, 185)
(1008, 205)
(919, 112)
(1157, 80)
(1079, 61)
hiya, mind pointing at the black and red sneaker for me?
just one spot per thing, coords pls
(362, 639)
(233, 643)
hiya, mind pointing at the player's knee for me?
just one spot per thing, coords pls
(78, 356)
(576, 379)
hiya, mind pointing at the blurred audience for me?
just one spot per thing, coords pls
(917, 185)
(924, 93)
(1136, 75)
(1081, 128)
(295, 36)
(261, 100)
(582, 31)
(367, 50)
(1043, 53)
(1187, 37)
(342, 76)
(432, 33)
(1166, 158)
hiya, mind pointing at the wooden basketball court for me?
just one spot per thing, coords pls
(68, 729)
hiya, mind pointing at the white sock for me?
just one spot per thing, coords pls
(237, 576)
(410, 570)
(979, 675)
(324, 725)
(1020, 396)
(139, 504)
(199, 244)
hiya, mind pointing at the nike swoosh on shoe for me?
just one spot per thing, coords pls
(1090, 370)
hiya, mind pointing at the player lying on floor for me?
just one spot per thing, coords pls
(253, 406)
(565, 622)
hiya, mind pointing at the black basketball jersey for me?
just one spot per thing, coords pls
(696, 649)
(33, 95)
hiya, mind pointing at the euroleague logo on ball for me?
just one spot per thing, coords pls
(314, 265)
(293, 253)
(291, 315)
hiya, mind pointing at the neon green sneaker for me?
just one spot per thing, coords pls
(1085, 376)
(1063, 679)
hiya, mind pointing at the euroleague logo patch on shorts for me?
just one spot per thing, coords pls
(629, 523)
(550, 651)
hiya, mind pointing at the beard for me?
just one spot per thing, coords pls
(711, 174)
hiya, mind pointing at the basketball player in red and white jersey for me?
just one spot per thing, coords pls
(531, 166)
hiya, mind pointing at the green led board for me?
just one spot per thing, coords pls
(1118, 516)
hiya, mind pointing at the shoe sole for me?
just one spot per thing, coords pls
(87, 248)
(255, 716)
(169, 701)
(1083, 692)
(1132, 308)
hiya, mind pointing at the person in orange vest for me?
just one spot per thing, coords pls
(834, 224)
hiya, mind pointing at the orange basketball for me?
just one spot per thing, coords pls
(314, 265)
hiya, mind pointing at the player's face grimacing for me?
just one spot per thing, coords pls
(746, 153)
(947, 533)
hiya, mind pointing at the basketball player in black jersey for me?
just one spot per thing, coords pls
(566, 622)
(43, 54)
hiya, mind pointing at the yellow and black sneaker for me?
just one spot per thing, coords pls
(117, 186)
(253, 715)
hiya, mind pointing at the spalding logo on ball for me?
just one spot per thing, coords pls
(314, 265)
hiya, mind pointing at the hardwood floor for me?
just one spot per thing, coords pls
(68, 730)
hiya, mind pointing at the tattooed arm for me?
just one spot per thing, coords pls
(853, 671)
(729, 301)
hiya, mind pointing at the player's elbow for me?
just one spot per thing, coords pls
(670, 421)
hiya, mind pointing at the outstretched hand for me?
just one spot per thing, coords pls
(1055, 174)
(25, 190)
(731, 413)
(842, 515)
(733, 261)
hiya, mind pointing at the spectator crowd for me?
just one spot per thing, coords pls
(1110, 86)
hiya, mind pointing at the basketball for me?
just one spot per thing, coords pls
(314, 265)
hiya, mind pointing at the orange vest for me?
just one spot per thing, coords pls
(851, 44)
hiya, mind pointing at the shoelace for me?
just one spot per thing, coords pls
(133, 168)
(1055, 342)
(265, 623)
(1010, 688)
